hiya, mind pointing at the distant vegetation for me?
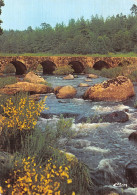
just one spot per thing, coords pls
(115, 34)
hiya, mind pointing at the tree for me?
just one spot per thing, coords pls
(1, 4)
(134, 9)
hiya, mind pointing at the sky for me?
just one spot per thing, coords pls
(19, 14)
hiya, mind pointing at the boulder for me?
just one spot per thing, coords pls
(117, 116)
(131, 173)
(83, 85)
(65, 92)
(92, 76)
(33, 78)
(26, 87)
(79, 144)
(133, 136)
(69, 77)
(88, 80)
(117, 89)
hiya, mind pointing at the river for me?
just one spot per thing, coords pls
(104, 147)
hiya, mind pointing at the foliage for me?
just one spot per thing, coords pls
(89, 70)
(21, 114)
(29, 178)
(7, 81)
(62, 70)
(133, 76)
(9, 68)
(111, 72)
(135, 104)
(1, 4)
(134, 9)
(64, 127)
(39, 68)
(24, 114)
(108, 73)
(81, 179)
(93, 36)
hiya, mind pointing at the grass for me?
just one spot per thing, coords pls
(7, 80)
(130, 54)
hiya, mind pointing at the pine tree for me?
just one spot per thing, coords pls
(1, 4)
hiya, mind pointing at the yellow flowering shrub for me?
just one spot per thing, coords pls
(21, 115)
(24, 114)
(31, 179)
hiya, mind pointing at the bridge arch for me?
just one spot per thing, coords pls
(77, 66)
(124, 63)
(48, 67)
(20, 67)
(101, 64)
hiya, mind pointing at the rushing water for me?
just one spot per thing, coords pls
(104, 147)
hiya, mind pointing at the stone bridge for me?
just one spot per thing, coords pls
(24, 64)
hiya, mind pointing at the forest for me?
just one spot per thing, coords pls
(116, 34)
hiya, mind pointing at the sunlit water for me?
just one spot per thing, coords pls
(106, 147)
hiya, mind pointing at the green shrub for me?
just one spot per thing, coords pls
(43, 146)
(21, 115)
(133, 76)
(106, 72)
(135, 104)
(89, 70)
(63, 70)
(64, 127)
(39, 68)
(9, 68)
(111, 72)
(7, 81)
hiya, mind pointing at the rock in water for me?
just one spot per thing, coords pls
(83, 85)
(26, 87)
(69, 77)
(33, 78)
(133, 136)
(131, 174)
(117, 89)
(92, 76)
(117, 116)
(65, 92)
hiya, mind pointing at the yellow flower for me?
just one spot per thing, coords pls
(69, 181)
(1, 190)
(73, 193)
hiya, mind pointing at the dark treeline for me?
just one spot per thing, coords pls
(97, 35)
